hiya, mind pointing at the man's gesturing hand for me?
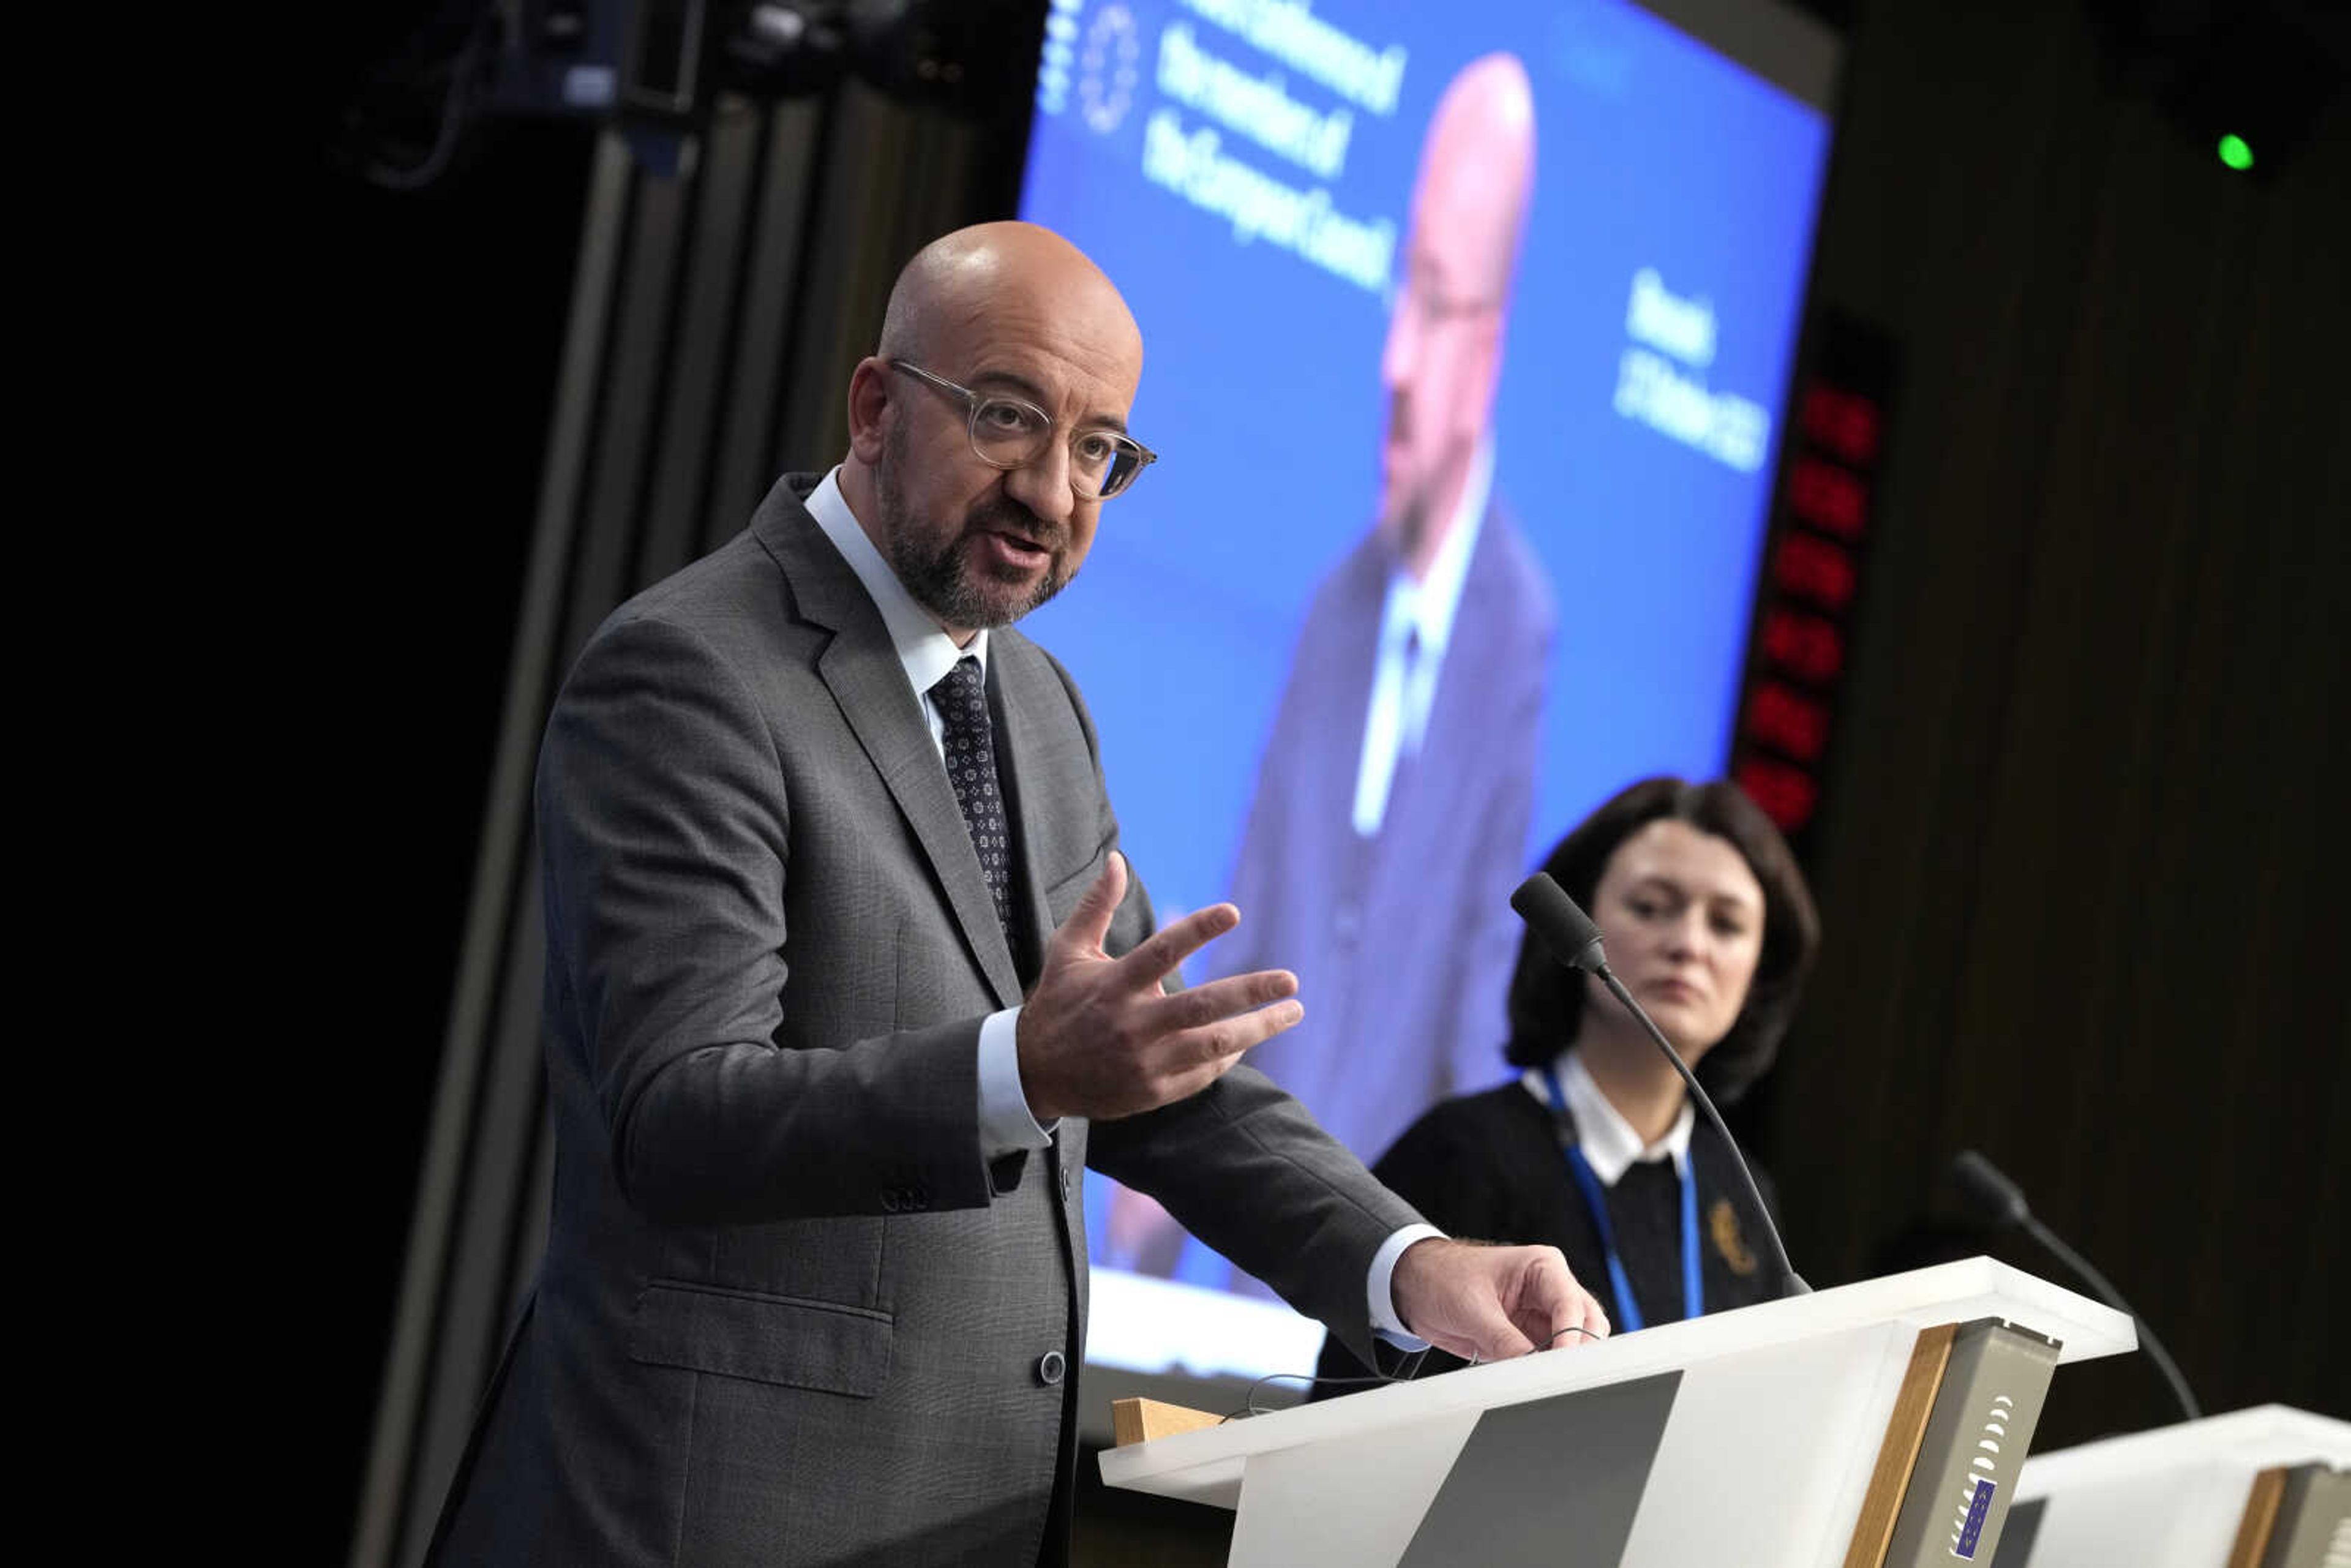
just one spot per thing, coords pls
(1097, 1036)
(1489, 1303)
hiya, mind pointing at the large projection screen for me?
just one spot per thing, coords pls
(1245, 170)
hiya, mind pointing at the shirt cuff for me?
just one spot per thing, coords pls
(1384, 1321)
(1005, 1123)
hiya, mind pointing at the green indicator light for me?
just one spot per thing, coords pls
(2235, 153)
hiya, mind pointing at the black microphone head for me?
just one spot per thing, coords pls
(1566, 930)
(1988, 1192)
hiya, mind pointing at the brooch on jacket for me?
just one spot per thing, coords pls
(1722, 1225)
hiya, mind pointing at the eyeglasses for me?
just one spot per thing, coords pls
(1011, 433)
(1421, 294)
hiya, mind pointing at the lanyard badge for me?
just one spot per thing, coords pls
(1595, 1198)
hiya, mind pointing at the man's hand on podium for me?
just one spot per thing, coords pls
(1489, 1303)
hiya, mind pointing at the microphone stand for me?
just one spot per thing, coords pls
(2000, 1201)
(1794, 1282)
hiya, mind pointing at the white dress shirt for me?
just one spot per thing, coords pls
(1416, 625)
(1610, 1144)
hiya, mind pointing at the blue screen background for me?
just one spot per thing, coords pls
(1261, 391)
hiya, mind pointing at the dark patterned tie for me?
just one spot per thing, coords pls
(962, 699)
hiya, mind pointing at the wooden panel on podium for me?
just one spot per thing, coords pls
(2261, 1518)
(1890, 1479)
(1141, 1420)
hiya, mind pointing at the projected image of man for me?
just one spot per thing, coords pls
(1391, 811)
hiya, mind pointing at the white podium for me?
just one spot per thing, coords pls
(1786, 1433)
(2214, 1493)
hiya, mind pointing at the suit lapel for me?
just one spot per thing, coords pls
(859, 666)
(1014, 674)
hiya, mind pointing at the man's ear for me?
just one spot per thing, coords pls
(868, 402)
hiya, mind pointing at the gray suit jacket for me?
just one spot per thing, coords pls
(788, 1314)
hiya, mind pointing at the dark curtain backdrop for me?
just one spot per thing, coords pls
(2082, 866)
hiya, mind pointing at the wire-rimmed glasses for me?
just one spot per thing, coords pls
(1011, 433)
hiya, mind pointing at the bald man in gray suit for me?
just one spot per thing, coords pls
(846, 980)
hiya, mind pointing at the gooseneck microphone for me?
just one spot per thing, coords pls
(1574, 941)
(2000, 1203)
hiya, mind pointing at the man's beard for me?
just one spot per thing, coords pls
(942, 579)
(1404, 502)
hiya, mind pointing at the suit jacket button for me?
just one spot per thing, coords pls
(1050, 1366)
(890, 1203)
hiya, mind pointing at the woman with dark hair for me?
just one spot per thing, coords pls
(1595, 1148)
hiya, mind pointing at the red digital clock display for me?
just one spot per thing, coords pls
(1812, 577)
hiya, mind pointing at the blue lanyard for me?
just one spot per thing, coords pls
(1595, 1198)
